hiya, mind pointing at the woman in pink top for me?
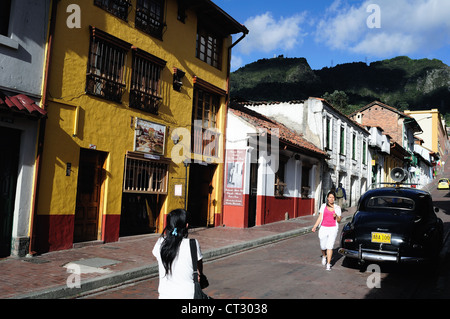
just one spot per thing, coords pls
(329, 217)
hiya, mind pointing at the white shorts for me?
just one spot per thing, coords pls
(327, 237)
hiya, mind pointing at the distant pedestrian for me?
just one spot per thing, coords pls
(340, 195)
(172, 250)
(328, 219)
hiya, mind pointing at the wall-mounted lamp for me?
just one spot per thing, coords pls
(68, 169)
(175, 138)
(178, 76)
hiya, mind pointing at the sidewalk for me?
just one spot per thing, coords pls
(129, 259)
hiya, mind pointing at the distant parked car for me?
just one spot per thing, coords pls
(444, 183)
(393, 224)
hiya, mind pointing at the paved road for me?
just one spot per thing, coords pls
(292, 269)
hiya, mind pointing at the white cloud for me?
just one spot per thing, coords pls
(407, 26)
(236, 62)
(266, 34)
(384, 44)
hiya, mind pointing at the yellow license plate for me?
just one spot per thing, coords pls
(384, 238)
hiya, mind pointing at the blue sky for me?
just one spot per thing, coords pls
(331, 32)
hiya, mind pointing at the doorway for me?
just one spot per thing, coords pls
(200, 191)
(353, 192)
(9, 158)
(140, 213)
(253, 195)
(90, 180)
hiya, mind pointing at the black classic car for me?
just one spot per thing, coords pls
(394, 224)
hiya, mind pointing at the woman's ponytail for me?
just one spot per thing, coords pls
(175, 231)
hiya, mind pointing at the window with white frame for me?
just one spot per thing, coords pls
(328, 130)
(342, 140)
(364, 152)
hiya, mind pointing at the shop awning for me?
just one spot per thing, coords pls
(20, 104)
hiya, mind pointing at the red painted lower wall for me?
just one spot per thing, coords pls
(111, 227)
(269, 209)
(276, 208)
(236, 216)
(55, 232)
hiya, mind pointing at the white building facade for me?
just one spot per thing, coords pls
(271, 172)
(422, 173)
(23, 40)
(345, 142)
(379, 149)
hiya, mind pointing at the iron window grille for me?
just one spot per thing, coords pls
(107, 66)
(145, 176)
(280, 177)
(119, 8)
(145, 93)
(150, 17)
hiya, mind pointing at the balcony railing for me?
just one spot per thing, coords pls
(107, 89)
(117, 7)
(144, 101)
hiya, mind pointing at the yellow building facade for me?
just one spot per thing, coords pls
(434, 133)
(136, 105)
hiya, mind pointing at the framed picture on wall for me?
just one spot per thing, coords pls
(149, 137)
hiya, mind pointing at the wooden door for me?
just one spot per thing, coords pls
(90, 180)
(200, 191)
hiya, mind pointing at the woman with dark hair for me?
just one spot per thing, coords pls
(173, 252)
(329, 217)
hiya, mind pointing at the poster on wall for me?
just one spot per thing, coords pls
(150, 137)
(234, 177)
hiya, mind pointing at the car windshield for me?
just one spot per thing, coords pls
(443, 181)
(390, 202)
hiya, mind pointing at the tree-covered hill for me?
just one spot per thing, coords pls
(399, 82)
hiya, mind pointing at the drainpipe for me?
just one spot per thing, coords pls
(227, 102)
(42, 124)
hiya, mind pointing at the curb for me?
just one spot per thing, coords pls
(95, 284)
(124, 277)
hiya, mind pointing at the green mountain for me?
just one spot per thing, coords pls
(399, 82)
